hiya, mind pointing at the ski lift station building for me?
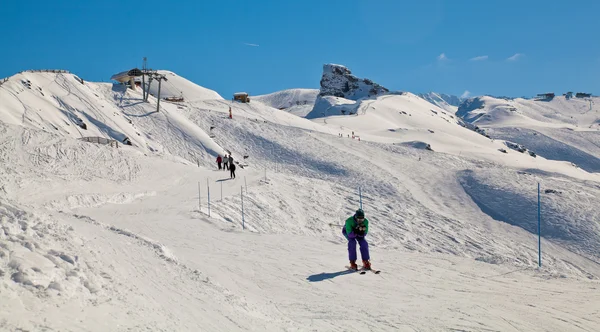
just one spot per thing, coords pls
(127, 76)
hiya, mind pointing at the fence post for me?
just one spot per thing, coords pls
(242, 196)
(208, 194)
(199, 199)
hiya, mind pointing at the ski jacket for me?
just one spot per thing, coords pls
(352, 224)
(219, 159)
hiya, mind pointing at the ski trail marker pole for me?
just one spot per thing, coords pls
(208, 192)
(242, 196)
(539, 229)
(360, 197)
(199, 198)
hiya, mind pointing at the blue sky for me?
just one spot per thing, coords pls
(265, 46)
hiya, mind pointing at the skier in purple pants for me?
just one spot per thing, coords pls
(355, 230)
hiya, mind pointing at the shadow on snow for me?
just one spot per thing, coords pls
(328, 275)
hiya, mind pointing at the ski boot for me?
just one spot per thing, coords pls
(366, 265)
(353, 265)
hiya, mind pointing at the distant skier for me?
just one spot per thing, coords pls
(219, 160)
(232, 170)
(230, 114)
(355, 230)
(226, 163)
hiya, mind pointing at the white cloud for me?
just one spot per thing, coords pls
(442, 57)
(479, 58)
(253, 45)
(515, 57)
(466, 94)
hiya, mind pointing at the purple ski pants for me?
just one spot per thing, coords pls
(364, 246)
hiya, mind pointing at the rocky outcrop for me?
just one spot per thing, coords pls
(338, 81)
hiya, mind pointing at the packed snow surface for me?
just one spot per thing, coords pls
(99, 238)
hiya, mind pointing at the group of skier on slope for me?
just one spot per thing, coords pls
(228, 164)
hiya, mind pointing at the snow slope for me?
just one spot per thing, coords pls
(116, 239)
(407, 118)
(329, 106)
(446, 102)
(558, 112)
(177, 86)
(559, 129)
(295, 101)
(59, 102)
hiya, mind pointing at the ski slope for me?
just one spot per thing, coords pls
(559, 129)
(295, 101)
(121, 239)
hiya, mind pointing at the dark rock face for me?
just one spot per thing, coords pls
(338, 81)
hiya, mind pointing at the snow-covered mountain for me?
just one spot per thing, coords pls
(99, 238)
(559, 129)
(338, 93)
(295, 101)
(449, 103)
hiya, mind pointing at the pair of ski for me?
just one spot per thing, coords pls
(363, 270)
